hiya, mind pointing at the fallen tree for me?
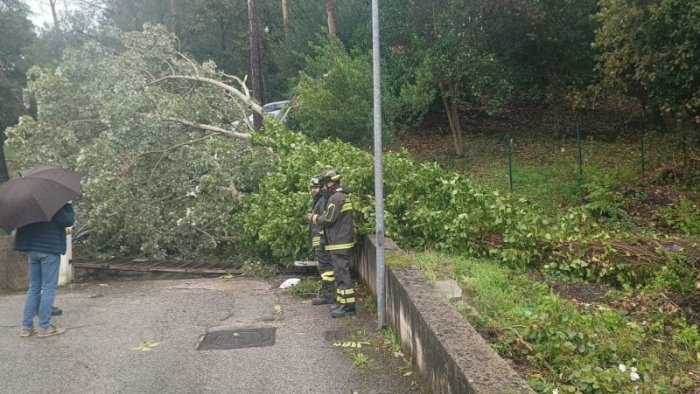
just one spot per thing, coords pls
(143, 123)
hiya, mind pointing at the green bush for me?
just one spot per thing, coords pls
(334, 97)
(685, 217)
(569, 347)
(426, 205)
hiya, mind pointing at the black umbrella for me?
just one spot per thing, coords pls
(36, 195)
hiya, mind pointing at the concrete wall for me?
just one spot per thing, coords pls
(13, 266)
(450, 355)
(14, 271)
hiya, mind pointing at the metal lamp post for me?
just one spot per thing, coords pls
(378, 169)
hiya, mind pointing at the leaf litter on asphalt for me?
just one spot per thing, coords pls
(147, 346)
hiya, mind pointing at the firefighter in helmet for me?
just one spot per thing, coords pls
(326, 294)
(336, 222)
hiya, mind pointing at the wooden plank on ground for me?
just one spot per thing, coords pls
(141, 265)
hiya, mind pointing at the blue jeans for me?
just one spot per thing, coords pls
(43, 279)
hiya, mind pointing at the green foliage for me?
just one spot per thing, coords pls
(258, 268)
(306, 288)
(649, 51)
(360, 359)
(585, 350)
(432, 208)
(466, 76)
(544, 44)
(683, 216)
(575, 347)
(151, 188)
(435, 47)
(334, 96)
(16, 34)
(677, 275)
(603, 202)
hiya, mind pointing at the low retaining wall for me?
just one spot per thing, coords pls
(14, 273)
(450, 355)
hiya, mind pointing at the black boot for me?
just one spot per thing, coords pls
(55, 311)
(344, 310)
(325, 296)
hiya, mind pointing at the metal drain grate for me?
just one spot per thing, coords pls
(238, 338)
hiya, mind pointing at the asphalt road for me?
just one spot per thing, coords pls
(106, 322)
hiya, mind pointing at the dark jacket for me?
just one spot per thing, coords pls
(46, 237)
(336, 220)
(316, 231)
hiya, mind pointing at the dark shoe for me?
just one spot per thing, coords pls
(325, 296)
(335, 306)
(56, 311)
(322, 300)
(343, 311)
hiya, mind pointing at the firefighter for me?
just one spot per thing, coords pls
(336, 222)
(326, 294)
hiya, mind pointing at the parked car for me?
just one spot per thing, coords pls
(276, 109)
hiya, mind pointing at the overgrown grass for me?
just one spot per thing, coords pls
(306, 288)
(568, 346)
(546, 169)
(497, 291)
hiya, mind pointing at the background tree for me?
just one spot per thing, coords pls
(650, 51)
(330, 17)
(545, 45)
(334, 96)
(285, 14)
(435, 44)
(16, 33)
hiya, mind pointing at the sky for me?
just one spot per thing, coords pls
(41, 10)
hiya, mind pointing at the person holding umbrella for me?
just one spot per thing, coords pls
(44, 243)
(37, 205)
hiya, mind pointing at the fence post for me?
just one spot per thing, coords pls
(643, 155)
(580, 155)
(510, 162)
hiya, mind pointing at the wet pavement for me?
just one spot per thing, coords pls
(108, 322)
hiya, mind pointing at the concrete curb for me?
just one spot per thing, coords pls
(450, 355)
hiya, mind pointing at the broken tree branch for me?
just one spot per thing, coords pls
(201, 126)
(235, 92)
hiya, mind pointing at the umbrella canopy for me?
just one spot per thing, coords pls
(36, 195)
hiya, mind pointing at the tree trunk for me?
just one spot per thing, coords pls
(453, 118)
(332, 26)
(457, 128)
(255, 61)
(4, 174)
(52, 3)
(173, 17)
(285, 15)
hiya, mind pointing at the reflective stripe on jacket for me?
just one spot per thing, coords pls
(336, 220)
(315, 230)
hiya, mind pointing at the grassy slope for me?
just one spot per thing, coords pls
(546, 171)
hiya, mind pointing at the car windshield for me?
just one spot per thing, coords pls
(276, 106)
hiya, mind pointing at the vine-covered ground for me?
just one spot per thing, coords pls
(565, 330)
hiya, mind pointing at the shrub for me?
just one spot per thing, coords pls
(334, 97)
